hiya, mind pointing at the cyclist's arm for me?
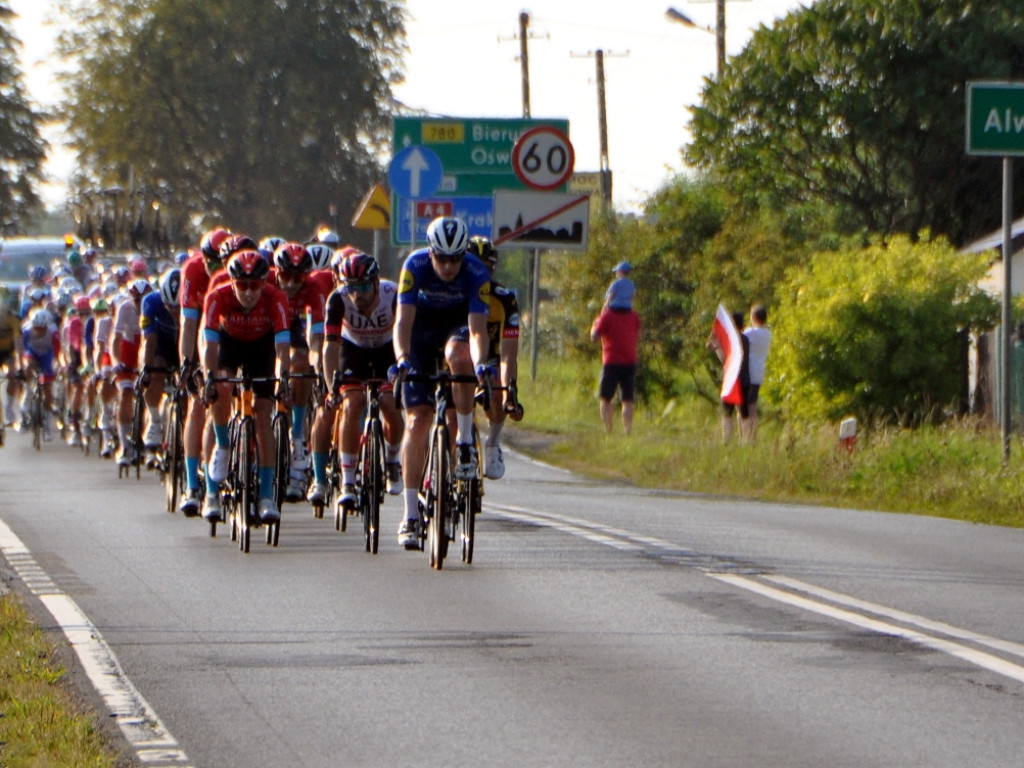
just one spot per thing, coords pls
(403, 330)
(479, 343)
(509, 361)
(211, 351)
(332, 360)
(187, 334)
(283, 352)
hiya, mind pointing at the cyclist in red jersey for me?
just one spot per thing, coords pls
(201, 266)
(124, 353)
(306, 300)
(247, 326)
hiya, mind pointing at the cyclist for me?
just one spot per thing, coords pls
(503, 336)
(358, 332)
(159, 323)
(195, 281)
(10, 348)
(124, 353)
(73, 353)
(246, 327)
(41, 343)
(442, 309)
(102, 367)
(306, 299)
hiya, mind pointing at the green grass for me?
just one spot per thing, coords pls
(40, 722)
(954, 471)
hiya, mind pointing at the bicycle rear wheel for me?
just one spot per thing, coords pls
(281, 458)
(440, 484)
(247, 482)
(174, 455)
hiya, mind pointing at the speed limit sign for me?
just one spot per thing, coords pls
(543, 158)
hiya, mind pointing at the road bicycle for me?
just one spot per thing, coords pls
(170, 457)
(240, 490)
(447, 505)
(34, 415)
(135, 433)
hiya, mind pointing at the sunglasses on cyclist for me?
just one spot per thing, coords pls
(358, 287)
(248, 286)
(444, 259)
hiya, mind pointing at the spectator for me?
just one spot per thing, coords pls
(733, 397)
(621, 291)
(618, 329)
(759, 338)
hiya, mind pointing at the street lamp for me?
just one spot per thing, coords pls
(673, 14)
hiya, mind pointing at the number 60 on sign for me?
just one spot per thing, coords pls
(543, 158)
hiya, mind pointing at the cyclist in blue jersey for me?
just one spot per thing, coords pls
(159, 323)
(443, 295)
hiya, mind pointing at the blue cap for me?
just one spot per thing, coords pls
(623, 266)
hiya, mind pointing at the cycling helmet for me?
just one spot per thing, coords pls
(90, 255)
(271, 243)
(447, 236)
(483, 249)
(37, 273)
(121, 273)
(63, 299)
(170, 286)
(41, 318)
(38, 294)
(74, 258)
(292, 258)
(82, 305)
(328, 237)
(180, 257)
(138, 267)
(321, 255)
(139, 288)
(211, 242)
(99, 304)
(248, 264)
(358, 268)
(341, 254)
(235, 243)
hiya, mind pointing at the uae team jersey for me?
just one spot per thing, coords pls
(223, 314)
(367, 331)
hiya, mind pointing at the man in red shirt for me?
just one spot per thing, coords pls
(619, 331)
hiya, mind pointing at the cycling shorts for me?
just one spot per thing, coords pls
(298, 334)
(367, 362)
(42, 363)
(256, 357)
(428, 342)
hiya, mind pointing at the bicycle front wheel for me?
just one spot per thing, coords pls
(174, 456)
(281, 459)
(440, 486)
(247, 481)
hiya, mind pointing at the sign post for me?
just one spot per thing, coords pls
(995, 126)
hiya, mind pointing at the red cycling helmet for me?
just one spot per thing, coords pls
(139, 267)
(358, 268)
(248, 264)
(82, 305)
(293, 258)
(235, 243)
(211, 242)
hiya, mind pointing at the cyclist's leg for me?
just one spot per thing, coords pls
(351, 417)
(302, 390)
(320, 443)
(460, 363)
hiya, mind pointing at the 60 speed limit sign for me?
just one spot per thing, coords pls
(543, 158)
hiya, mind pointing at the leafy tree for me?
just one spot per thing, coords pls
(873, 331)
(21, 148)
(258, 114)
(860, 104)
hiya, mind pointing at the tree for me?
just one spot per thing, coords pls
(257, 114)
(21, 147)
(861, 105)
(874, 332)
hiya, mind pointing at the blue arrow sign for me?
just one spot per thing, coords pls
(415, 172)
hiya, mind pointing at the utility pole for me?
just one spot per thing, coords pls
(673, 14)
(524, 61)
(602, 122)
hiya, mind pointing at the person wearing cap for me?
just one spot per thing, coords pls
(618, 329)
(621, 291)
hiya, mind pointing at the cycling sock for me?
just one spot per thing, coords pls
(348, 468)
(494, 433)
(298, 421)
(410, 496)
(192, 471)
(267, 482)
(223, 435)
(320, 466)
(464, 431)
(391, 452)
(211, 487)
(155, 417)
(124, 434)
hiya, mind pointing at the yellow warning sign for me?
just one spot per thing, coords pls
(374, 212)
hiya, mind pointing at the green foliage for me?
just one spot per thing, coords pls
(874, 332)
(860, 105)
(22, 150)
(253, 113)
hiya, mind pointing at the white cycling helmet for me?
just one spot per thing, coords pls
(447, 236)
(321, 255)
(41, 318)
(170, 287)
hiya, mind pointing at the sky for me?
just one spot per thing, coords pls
(463, 62)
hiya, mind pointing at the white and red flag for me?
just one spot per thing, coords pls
(732, 348)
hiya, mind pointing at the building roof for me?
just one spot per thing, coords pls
(994, 240)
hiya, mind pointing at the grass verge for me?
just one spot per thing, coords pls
(41, 723)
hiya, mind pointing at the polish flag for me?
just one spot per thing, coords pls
(729, 339)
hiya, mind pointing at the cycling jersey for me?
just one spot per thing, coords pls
(161, 325)
(41, 350)
(419, 284)
(306, 305)
(225, 316)
(195, 281)
(503, 319)
(344, 321)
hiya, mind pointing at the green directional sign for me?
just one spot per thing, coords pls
(476, 153)
(995, 118)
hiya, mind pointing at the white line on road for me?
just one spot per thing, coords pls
(152, 742)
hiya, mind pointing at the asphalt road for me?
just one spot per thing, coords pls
(599, 625)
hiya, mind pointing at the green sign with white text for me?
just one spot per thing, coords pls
(995, 118)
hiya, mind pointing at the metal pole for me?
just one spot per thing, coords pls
(602, 122)
(534, 314)
(524, 61)
(720, 38)
(1006, 420)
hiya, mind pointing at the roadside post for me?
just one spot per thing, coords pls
(995, 126)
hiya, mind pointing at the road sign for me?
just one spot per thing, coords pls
(476, 212)
(415, 172)
(476, 153)
(553, 220)
(543, 158)
(431, 209)
(374, 212)
(995, 118)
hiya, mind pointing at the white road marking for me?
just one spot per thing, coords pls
(149, 738)
(785, 589)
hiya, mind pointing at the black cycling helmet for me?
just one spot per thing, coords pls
(483, 249)
(358, 267)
